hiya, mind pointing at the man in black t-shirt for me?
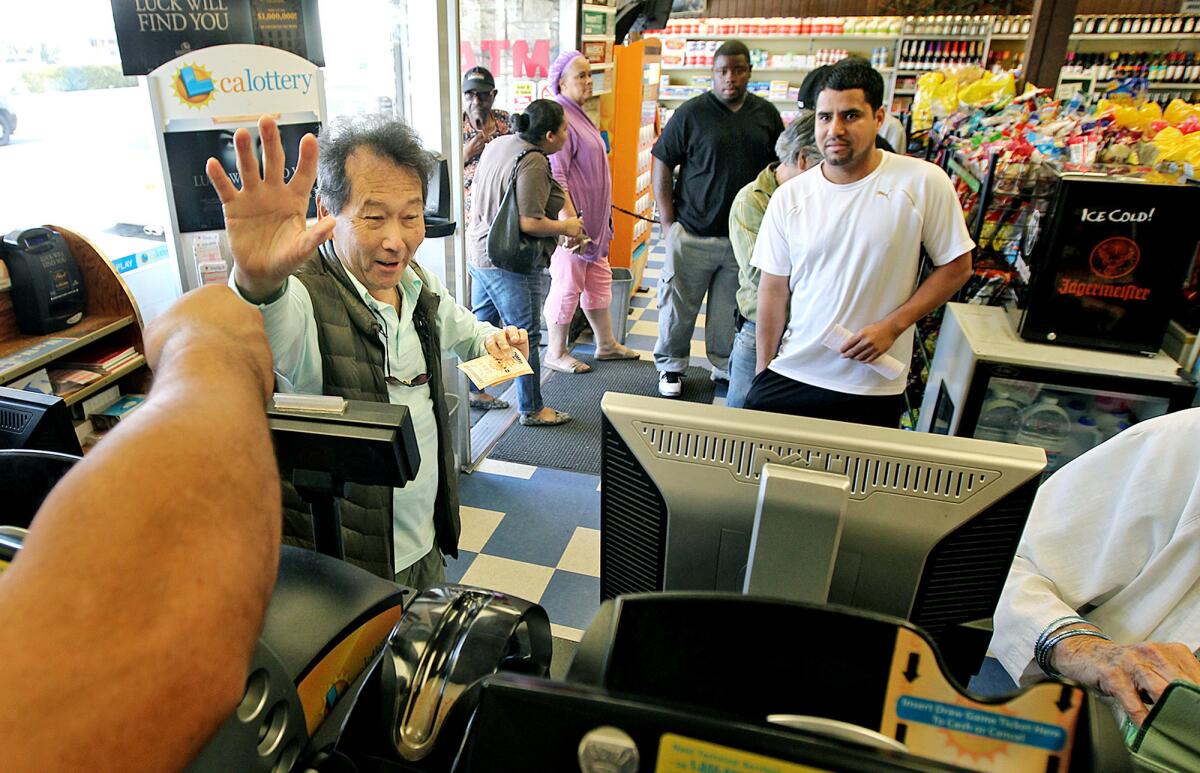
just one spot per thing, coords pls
(719, 140)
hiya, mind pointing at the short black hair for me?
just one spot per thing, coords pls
(732, 48)
(541, 116)
(854, 73)
(383, 135)
(810, 87)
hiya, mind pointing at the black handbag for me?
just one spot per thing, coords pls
(507, 247)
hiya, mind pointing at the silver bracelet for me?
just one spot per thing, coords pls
(1040, 642)
(1044, 660)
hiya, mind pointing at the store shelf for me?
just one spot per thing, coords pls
(90, 329)
(107, 380)
(600, 93)
(1167, 86)
(964, 38)
(708, 68)
(1137, 36)
(596, 38)
(904, 92)
(780, 38)
(602, 66)
(776, 101)
(599, 8)
(1009, 37)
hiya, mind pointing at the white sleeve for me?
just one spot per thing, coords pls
(944, 228)
(772, 253)
(292, 333)
(458, 329)
(1095, 528)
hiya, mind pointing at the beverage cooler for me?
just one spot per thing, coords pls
(1109, 262)
(987, 382)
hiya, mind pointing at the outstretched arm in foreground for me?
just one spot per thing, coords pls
(130, 616)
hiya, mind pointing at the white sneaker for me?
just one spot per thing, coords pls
(716, 375)
(670, 384)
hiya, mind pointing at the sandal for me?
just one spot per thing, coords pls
(531, 419)
(628, 354)
(578, 367)
(493, 404)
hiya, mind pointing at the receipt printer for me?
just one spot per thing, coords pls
(47, 287)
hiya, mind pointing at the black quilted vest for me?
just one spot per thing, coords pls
(352, 367)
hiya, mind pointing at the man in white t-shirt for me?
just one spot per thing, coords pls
(841, 243)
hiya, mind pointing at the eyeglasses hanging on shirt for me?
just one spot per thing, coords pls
(419, 380)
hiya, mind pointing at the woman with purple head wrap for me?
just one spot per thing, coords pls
(579, 270)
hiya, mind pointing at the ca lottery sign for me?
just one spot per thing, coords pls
(225, 83)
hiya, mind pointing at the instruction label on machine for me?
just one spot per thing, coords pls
(1033, 731)
(678, 753)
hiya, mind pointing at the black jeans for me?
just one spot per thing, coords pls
(779, 394)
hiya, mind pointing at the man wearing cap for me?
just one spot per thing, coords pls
(481, 125)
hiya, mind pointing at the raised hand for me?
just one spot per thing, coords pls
(265, 220)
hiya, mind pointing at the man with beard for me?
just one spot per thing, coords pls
(840, 245)
(720, 141)
(481, 124)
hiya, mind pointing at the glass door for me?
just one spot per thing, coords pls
(1065, 420)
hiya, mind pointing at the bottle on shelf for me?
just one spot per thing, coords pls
(1046, 425)
(999, 418)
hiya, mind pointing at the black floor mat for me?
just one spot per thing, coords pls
(576, 445)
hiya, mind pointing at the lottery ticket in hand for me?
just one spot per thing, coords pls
(488, 371)
(885, 364)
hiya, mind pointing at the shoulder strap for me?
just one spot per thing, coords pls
(521, 155)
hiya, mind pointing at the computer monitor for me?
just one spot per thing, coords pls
(931, 522)
(355, 442)
(36, 422)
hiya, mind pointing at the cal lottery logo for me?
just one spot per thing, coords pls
(194, 86)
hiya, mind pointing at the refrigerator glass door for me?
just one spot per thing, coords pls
(1064, 420)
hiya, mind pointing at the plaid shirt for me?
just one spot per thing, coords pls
(503, 126)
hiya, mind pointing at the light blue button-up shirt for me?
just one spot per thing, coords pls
(292, 332)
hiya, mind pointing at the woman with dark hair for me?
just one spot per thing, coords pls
(541, 132)
(580, 273)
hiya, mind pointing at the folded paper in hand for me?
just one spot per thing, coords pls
(488, 371)
(885, 364)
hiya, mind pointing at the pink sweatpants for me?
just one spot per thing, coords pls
(573, 278)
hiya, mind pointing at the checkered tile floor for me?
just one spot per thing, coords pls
(535, 532)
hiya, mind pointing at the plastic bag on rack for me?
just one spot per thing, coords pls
(994, 90)
(1179, 111)
(922, 107)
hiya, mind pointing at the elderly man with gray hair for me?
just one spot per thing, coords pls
(797, 151)
(348, 312)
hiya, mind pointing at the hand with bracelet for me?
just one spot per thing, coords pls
(1134, 675)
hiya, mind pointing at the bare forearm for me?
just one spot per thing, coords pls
(158, 551)
(542, 226)
(773, 297)
(664, 194)
(940, 286)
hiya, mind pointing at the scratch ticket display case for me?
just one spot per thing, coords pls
(1109, 263)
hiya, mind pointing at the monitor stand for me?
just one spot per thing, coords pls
(797, 531)
(320, 491)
